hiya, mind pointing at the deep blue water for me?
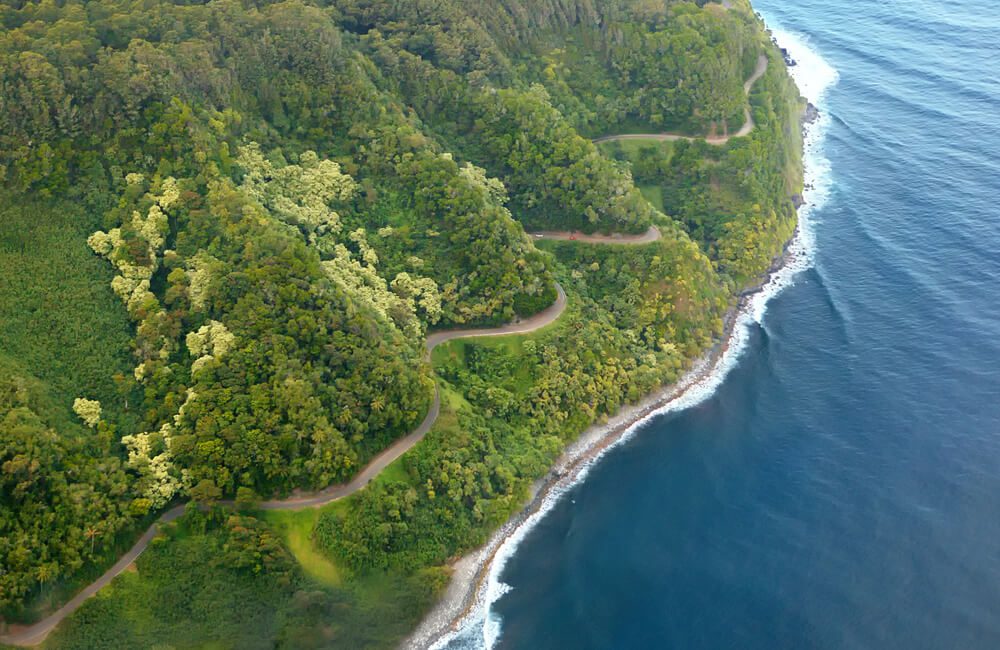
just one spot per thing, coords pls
(841, 489)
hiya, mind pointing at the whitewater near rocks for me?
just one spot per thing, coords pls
(465, 619)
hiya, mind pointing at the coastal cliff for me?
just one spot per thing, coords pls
(246, 224)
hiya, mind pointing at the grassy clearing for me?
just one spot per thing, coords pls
(456, 350)
(512, 344)
(296, 528)
(394, 472)
(511, 347)
(452, 401)
(653, 194)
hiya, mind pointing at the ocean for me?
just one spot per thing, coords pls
(836, 484)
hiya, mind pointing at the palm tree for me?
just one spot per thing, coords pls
(45, 572)
(91, 534)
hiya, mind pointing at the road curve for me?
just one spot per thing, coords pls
(35, 634)
(747, 127)
(651, 235)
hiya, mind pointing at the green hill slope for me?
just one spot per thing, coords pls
(228, 226)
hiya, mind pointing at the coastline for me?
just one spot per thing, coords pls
(470, 577)
(475, 584)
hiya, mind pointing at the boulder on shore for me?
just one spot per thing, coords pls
(811, 114)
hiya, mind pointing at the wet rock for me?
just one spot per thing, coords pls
(811, 115)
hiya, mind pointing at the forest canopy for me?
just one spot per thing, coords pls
(227, 227)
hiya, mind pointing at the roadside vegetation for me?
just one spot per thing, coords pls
(227, 227)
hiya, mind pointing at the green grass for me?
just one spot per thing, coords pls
(59, 320)
(185, 595)
(394, 472)
(296, 528)
(635, 151)
(653, 194)
(511, 345)
(452, 401)
(456, 349)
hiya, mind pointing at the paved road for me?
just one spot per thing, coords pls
(747, 127)
(651, 235)
(35, 634)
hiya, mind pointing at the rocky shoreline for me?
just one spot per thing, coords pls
(471, 572)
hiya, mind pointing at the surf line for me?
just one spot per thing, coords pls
(813, 76)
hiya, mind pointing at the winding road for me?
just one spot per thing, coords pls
(31, 635)
(747, 127)
(34, 634)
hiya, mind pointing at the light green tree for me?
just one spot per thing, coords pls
(89, 410)
(299, 195)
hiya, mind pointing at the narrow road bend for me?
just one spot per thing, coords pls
(746, 129)
(34, 634)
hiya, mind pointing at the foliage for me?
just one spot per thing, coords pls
(54, 297)
(59, 494)
(639, 315)
(736, 199)
(283, 197)
(558, 178)
(230, 582)
(655, 66)
(89, 410)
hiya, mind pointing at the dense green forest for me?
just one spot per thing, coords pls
(226, 228)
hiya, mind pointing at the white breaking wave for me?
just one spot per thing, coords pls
(482, 627)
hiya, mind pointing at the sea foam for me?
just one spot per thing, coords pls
(482, 626)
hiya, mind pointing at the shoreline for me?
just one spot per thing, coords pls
(470, 591)
(470, 576)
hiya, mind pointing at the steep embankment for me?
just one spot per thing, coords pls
(35, 634)
(275, 297)
(746, 129)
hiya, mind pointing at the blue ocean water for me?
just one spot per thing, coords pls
(841, 487)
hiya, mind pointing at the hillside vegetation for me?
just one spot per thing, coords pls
(227, 227)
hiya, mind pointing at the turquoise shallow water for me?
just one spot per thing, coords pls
(841, 487)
